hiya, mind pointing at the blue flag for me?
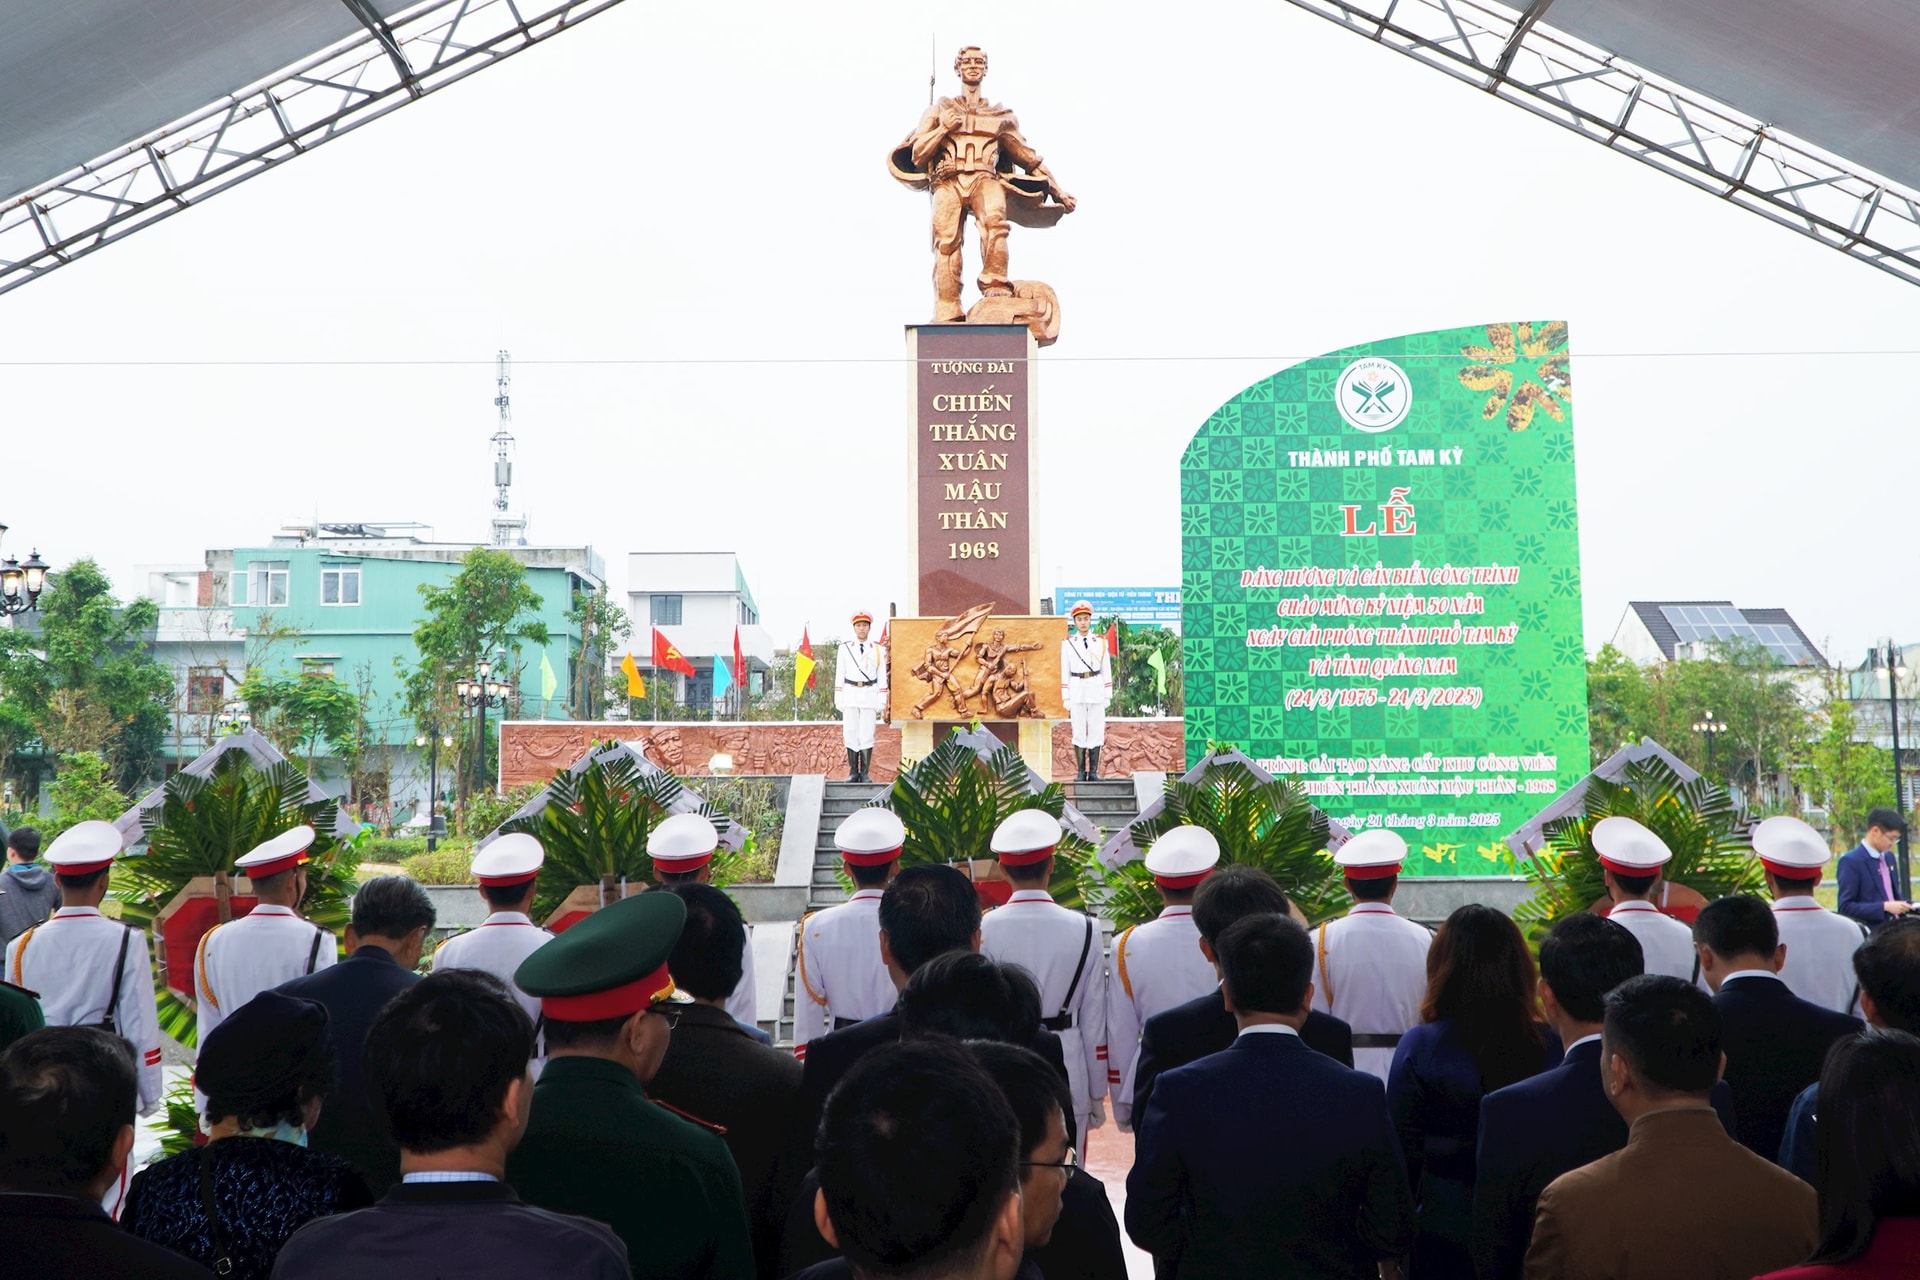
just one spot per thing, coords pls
(721, 680)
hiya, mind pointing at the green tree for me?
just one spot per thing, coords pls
(83, 791)
(302, 711)
(776, 701)
(487, 611)
(1137, 685)
(604, 628)
(1842, 775)
(87, 681)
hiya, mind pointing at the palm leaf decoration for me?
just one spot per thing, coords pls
(595, 825)
(1270, 825)
(1699, 820)
(203, 825)
(952, 800)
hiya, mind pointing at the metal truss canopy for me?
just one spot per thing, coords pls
(119, 119)
(1807, 114)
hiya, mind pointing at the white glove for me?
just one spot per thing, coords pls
(1097, 1114)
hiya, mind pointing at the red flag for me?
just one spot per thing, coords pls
(1113, 637)
(886, 629)
(668, 658)
(739, 664)
(806, 651)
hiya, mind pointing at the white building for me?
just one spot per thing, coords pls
(1654, 631)
(695, 599)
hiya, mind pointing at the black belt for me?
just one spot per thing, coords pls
(1375, 1040)
(841, 1024)
(863, 684)
(1058, 1022)
(1083, 675)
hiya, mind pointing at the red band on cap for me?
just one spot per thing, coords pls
(617, 1002)
(1378, 871)
(1025, 857)
(1791, 872)
(1182, 882)
(1622, 869)
(80, 868)
(877, 859)
(675, 866)
(507, 882)
(260, 870)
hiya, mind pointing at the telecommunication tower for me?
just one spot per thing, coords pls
(508, 530)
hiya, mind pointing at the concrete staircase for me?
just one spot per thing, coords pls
(1108, 803)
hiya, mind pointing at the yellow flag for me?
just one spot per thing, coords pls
(803, 665)
(636, 687)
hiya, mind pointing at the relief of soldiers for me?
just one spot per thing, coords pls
(937, 670)
(992, 655)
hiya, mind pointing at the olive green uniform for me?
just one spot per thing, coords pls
(596, 1145)
(19, 1013)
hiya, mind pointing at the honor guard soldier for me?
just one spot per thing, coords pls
(507, 871)
(859, 690)
(842, 979)
(1086, 687)
(1631, 856)
(682, 848)
(1820, 943)
(596, 1145)
(1159, 964)
(238, 960)
(1060, 948)
(1370, 966)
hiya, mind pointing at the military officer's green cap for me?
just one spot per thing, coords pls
(611, 964)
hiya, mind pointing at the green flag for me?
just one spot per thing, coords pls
(1158, 662)
(548, 681)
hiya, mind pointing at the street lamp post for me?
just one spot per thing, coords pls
(479, 693)
(21, 584)
(1896, 663)
(1711, 729)
(433, 742)
(234, 718)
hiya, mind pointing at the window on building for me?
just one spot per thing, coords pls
(206, 691)
(340, 585)
(267, 583)
(699, 692)
(664, 610)
(747, 616)
(321, 667)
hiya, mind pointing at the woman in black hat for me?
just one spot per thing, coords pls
(232, 1203)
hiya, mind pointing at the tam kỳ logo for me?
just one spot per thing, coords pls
(1373, 395)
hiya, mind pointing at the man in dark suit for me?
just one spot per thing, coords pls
(1868, 878)
(391, 917)
(1191, 1031)
(1268, 1159)
(67, 1097)
(1775, 1042)
(716, 1070)
(1544, 1126)
(1681, 1198)
(446, 1064)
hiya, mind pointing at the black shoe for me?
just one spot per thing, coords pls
(1093, 764)
(853, 765)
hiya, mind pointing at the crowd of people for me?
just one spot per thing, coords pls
(1363, 1098)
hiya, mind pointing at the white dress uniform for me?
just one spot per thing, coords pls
(841, 978)
(505, 938)
(1061, 948)
(71, 961)
(686, 842)
(1627, 848)
(238, 960)
(1159, 964)
(1086, 684)
(859, 688)
(1370, 966)
(1820, 943)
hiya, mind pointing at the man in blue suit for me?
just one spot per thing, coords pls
(1544, 1126)
(1868, 879)
(1268, 1159)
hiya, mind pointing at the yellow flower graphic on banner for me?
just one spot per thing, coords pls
(1441, 852)
(1522, 369)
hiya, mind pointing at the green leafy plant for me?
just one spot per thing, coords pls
(1270, 825)
(181, 1127)
(951, 801)
(83, 792)
(595, 826)
(1699, 821)
(204, 824)
(486, 810)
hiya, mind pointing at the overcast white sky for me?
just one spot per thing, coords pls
(699, 191)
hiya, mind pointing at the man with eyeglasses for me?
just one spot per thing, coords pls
(596, 1144)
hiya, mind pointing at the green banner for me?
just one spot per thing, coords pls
(1381, 585)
